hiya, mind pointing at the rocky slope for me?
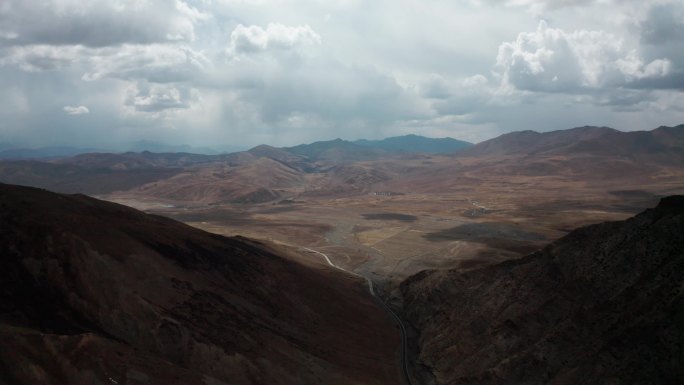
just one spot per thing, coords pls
(602, 305)
(97, 293)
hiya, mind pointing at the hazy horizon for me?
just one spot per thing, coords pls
(248, 72)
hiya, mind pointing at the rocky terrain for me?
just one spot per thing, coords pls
(602, 305)
(93, 292)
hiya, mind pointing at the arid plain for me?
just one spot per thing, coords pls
(391, 218)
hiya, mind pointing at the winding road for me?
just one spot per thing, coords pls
(371, 290)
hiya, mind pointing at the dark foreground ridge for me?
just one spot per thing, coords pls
(93, 292)
(602, 305)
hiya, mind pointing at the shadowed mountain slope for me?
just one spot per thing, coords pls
(97, 293)
(136, 160)
(72, 178)
(602, 305)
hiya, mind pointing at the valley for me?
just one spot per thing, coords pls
(243, 192)
(429, 211)
(381, 233)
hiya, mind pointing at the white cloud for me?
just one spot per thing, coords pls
(552, 60)
(156, 63)
(78, 110)
(633, 67)
(153, 98)
(274, 37)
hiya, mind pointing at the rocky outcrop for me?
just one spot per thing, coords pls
(602, 305)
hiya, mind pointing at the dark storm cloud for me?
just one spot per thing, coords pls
(664, 23)
(662, 35)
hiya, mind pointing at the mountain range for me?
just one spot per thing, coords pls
(416, 143)
(342, 167)
(408, 143)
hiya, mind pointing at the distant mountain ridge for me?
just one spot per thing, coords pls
(345, 167)
(317, 150)
(340, 150)
(417, 143)
(587, 139)
(11, 152)
(337, 150)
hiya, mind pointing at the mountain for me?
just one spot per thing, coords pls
(280, 155)
(75, 178)
(342, 151)
(664, 143)
(589, 154)
(136, 160)
(41, 153)
(151, 146)
(260, 180)
(532, 142)
(8, 151)
(594, 155)
(416, 144)
(93, 292)
(602, 305)
(336, 151)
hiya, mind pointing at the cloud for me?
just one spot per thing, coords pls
(96, 23)
(662, 36)
(39, 58)
(288, 71)
(78, 110)
(537, 5)
(434, 87)
(329, 90)
(274, 37)
(664, 23)
(552, 60)
(457, 97)
(161, 63)
(154, 98)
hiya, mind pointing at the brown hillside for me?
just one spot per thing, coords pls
(97, 293)
(602, 305)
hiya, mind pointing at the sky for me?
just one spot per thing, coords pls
(283, 72)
